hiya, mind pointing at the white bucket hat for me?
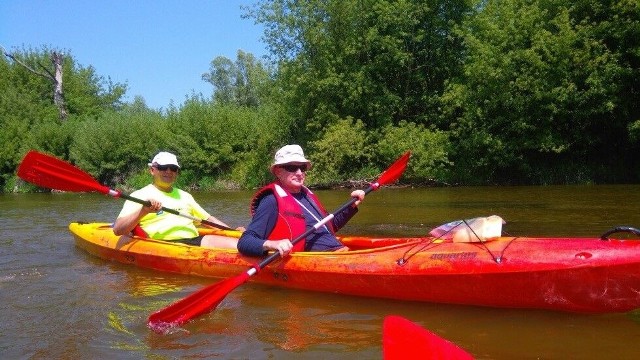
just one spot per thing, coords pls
(164, 158)
(290, 154)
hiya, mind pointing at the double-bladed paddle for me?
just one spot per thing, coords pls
(50, 172)
(207, 298)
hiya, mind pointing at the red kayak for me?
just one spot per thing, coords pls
(587, 275)
(403, 339)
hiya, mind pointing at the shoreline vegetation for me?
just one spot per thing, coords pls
(482, 93)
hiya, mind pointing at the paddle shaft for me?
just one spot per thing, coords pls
(172, 211)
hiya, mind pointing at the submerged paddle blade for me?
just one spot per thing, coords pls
(403, 339)
(49, 172)
(394, 171)
(200, 302)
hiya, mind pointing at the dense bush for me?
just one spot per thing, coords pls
(481, 92)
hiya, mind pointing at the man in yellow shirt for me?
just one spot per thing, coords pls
(157, 224)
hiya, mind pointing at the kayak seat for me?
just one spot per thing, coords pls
(618, 229)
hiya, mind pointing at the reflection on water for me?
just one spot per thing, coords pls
(60, 302)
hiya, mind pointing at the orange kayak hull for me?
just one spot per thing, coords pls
(585, 275)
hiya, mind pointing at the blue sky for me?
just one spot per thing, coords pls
(160, 48)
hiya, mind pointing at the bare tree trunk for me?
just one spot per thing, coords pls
(58, 96)
(57, 58)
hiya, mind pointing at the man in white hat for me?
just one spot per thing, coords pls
(285, 209)
(150, 221)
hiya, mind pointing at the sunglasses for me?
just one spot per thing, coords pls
(294, 168)
(173, 168)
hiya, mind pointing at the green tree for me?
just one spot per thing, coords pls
(28, 115)
(344, 152)
(244, 82)
(540, 96)
(84, 91)
(429, 152)
(117, 145)
(228, 145)
(378, 61)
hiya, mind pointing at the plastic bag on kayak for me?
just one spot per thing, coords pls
(470, 230)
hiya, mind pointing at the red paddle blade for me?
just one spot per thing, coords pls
(403, 339)
(49, 172)
(200, 302)
(394, 171)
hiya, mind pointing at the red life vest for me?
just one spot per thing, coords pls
(290, 221)
(139, 231)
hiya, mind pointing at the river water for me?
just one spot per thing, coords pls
(58, 302)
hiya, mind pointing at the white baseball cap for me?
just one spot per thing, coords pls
(164, 158)
(290, 154)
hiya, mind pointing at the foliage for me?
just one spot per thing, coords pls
(344, 147)
(500, 91)
(539, 89)
(378, 61)
(272, 130)
(28, 116)
(119, 144)
(348, 151)
(429, 151)
(210, 138)
(244, 82)
(634, 131)
(227, 142)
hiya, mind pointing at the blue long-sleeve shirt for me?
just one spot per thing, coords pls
(266, 215)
